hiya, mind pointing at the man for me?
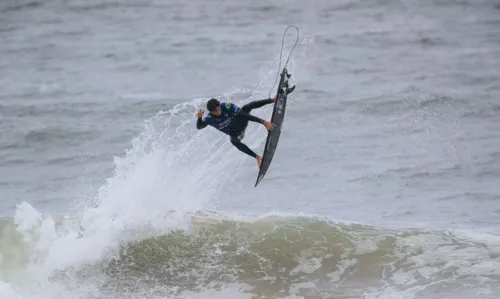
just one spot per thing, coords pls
(233, 120)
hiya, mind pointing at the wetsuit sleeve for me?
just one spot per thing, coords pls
(248, 116)
(200, 124)
(233, 108)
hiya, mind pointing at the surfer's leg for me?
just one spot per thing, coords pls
(242, 147)
(256, 104)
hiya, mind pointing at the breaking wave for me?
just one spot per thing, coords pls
(278, 256)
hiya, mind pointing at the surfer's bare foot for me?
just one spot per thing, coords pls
(259, 160)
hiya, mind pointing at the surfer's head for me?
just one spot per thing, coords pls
(213, 106)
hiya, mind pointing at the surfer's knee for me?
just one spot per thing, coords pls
(234, 140)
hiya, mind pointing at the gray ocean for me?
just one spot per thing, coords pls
(384, 183)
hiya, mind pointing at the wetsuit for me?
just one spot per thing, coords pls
(233, 121)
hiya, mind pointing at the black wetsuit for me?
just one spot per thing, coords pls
(233, 121)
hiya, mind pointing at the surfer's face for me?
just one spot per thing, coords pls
(217, 111)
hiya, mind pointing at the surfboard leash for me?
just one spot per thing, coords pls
(281, 53)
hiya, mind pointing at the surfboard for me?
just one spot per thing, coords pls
(277, 119)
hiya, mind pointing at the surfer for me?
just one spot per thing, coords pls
(233, 120)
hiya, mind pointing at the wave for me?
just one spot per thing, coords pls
(301, 256)
(277, 256)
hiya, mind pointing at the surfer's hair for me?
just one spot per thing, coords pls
(212, 104)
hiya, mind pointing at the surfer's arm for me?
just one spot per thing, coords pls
(248, 116)
(200, 124)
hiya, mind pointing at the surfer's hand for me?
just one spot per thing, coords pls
(268, 125)
(200, 113)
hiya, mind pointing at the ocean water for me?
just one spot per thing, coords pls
(384, 184)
